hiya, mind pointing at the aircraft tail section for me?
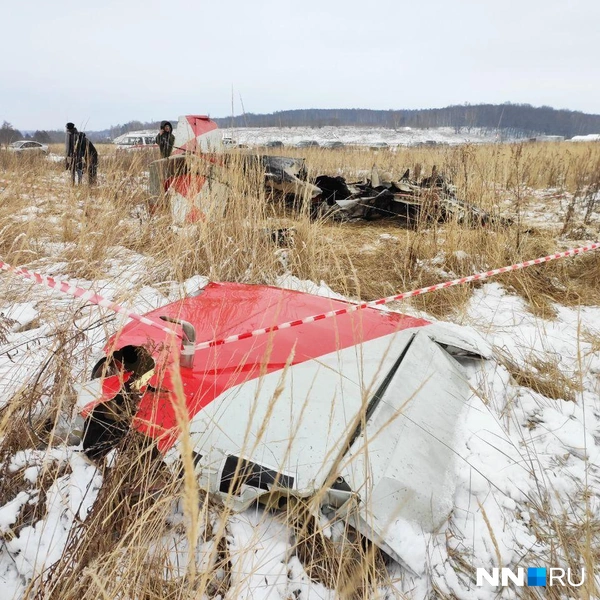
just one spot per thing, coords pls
(197, 133)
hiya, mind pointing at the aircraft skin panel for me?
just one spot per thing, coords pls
(402, 464)
(459, 340)
(197, 133)
(202, 203)
(223, 309)
(371, 400)
(296, 421)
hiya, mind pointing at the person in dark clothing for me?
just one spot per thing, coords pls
(165, 139)
(80, 154)
(72, 162)
(91, 161)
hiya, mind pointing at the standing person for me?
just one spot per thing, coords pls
(91, 161)
(165, 139)
(80, 153)
(73, 161)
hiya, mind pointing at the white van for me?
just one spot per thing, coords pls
(137, 140)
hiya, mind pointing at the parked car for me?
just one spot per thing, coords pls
(136, 140)
(379, 145)
(28, 146)
(274, 144)
(307, 144)
(229, 142)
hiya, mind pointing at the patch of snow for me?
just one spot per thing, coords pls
(291, 282)
(21, 312)
(590, 137)
(10, 511)
(362, 136)
(37, 546)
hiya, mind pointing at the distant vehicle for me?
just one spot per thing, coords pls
(28, 146)
(274, 144)
(333, 144)
(379, 145)
(307, 144)
(137, 140)
(229, 142)
(548, 138)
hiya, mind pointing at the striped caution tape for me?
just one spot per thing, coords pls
(402, 296)
(94, 298)
(77, 292)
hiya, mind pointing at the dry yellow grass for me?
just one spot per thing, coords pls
(543, 376)
(82, 229)
(361, 259)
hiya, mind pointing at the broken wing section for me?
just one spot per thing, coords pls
(286, 429)
(402, 461)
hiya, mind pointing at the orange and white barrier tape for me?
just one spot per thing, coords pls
(77, 292)
(402, 296)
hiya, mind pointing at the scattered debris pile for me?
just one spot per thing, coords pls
(196, 180)
(432, 199)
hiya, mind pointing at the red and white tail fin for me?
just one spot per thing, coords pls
(197, 133)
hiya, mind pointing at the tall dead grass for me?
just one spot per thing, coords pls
(85, 225)
(126, 546)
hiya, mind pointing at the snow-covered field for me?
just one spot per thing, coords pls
(525, 462)
(364, 136)
(527, 465)
(590, 137)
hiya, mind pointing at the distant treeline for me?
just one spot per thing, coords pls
(115, 131)
(517, 119)
(9, 134)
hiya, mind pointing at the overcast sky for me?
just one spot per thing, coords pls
(105, 62)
